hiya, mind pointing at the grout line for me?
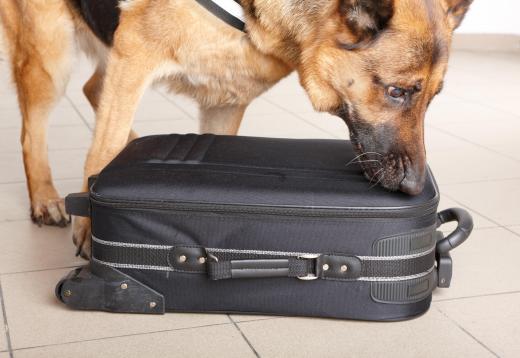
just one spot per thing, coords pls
(303, 119)
(6, 326)
(474, 143)
(484, 216)
(474, 101)
(476, 296)
(244, 336)
(55, 180)
(42, 270)
(467, 332)
(83, 119)
(478, 181)
(175, 104)
(122, 336)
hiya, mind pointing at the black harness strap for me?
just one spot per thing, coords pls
(223, 13)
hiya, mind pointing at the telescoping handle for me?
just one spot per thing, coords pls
(456, 238)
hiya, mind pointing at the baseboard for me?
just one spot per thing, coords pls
(486, 42)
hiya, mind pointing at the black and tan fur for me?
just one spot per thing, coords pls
(377, 64)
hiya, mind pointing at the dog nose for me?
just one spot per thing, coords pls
(412, 185)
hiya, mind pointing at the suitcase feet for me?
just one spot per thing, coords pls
(103, 288)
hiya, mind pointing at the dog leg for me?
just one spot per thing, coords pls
(92, 90)
(40, 49)
(125, 81)
(221, 119)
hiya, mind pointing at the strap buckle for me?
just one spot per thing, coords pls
(309, 276)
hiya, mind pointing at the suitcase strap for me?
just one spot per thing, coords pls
(219, 264)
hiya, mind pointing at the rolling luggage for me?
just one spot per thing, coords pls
(206, 223)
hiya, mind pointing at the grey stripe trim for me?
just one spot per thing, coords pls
(398, 278)
(127, 266)
(399, 257)
(166, 268)
(137, 246)
(263, 252)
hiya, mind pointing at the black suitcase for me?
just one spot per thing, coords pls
(207, 223)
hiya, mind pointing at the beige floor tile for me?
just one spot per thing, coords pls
(3, 337)
(185, 104)
(506, 151)
(493, 320)
(4, 355)
(63, 115)
(488, 134)
(7, 99)
(485, 264)
(289, 126)
(470, 163)
(294, 102)
(65, 164)
(30, 301)
(464, 116)
(59, 138)
(289, 337)
(435, 140)
(250, 317)
(166, 127)
(287, 86)
(479, 222)
(27, 247)
(146, 112)
(215, 341)
(333, 125)
(261, 107)
(15, 198)
(515, 229)
(497, 200)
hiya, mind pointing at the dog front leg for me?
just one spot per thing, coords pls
(92, 90)
(125, 82)
(221, 119)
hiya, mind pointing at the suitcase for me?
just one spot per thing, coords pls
(206, 223)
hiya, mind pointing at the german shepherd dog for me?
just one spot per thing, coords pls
(375, 63)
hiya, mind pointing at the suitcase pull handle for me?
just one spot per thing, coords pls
(456, 238)
(78, 204)
(460, 234)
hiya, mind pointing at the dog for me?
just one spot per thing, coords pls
(375, 63)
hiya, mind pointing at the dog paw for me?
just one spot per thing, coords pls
(81, 236)
(49, 212)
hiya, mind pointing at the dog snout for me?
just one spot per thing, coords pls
(413, 180)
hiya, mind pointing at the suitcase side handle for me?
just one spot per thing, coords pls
(456, 238)
(78, 204)
(460, 234)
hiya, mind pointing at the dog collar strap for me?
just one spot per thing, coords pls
(229, 11)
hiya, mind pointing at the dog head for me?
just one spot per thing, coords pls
(378, 64)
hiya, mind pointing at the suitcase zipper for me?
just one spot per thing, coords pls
(424, 209)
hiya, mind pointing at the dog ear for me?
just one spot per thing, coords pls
(366, 18)
(456, 10)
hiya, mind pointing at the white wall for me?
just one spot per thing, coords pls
(492, 17)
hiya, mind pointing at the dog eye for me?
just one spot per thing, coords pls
(395, 92)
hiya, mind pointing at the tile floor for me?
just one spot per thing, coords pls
(472, 132)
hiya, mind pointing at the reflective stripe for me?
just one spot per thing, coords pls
(231, 7)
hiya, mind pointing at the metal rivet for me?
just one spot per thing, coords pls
(443, 280)
(67, 293)
(344, 268)
(202, 260)
(182, 258)
(124, 286)
(325, 267)
(153, 304)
